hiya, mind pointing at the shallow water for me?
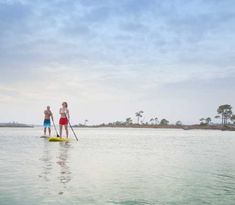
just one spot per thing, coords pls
(118, 166)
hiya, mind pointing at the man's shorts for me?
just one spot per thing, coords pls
(47, 123)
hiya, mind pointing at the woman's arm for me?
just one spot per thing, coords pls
(68, 115)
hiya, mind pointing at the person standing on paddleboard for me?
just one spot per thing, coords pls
(48, 116)
(64, 118)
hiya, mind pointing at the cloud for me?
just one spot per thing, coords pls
(124, 54)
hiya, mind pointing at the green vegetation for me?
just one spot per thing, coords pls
(128, 121)
(233, 119)
(164, 122)
(178, 123)
(85, 122)
(224, 112)
(139, 115)
(205, 121)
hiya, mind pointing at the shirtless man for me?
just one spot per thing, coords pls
(47, 120)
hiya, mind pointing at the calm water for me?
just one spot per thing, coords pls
(118, 166)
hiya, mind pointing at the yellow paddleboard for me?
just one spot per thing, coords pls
(58, 139)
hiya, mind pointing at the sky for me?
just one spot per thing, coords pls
(108, 59)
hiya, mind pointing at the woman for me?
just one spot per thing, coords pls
(64, 118)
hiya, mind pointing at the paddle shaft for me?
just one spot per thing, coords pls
(73, 131)
(71, 128)
(55, 129)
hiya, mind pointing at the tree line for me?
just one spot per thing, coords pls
(140, 120)
(224, 112)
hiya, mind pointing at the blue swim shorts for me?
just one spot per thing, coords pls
(47, 123)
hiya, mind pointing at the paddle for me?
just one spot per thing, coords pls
(73, 131)
(71, 128)
(55, 129)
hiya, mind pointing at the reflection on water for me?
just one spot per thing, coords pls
(47, 162)
(65, 173)
(55, 165)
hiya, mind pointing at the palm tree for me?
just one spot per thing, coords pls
(151, 121)
(226, 112)
(142, 121)
(85, 121)
(156, 120)
(217, 117)
(139, 115)
(233, 119)
(208, 120)
(128, 121)
(202, 121)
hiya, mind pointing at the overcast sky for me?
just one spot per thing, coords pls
(173, 59)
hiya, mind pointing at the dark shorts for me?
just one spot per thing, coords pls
(47, 123)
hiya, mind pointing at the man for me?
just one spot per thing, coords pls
(47, 120)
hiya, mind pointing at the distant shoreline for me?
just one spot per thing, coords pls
(184, 127)
(15, 125)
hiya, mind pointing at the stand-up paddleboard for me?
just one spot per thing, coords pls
(58, 139)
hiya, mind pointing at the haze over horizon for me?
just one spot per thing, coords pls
(108, 59)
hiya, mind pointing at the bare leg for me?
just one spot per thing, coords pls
(45, 129)
(67, 131)
(49, 129)
(61, 130)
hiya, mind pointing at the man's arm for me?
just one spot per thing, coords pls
(52, 116)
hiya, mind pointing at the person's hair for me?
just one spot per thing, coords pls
(65, 103)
